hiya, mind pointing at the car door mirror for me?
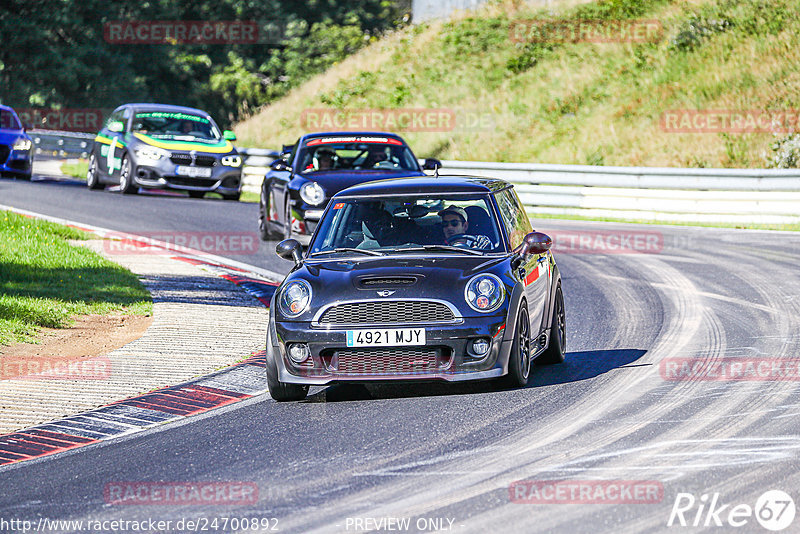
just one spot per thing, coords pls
(536, 243)
(280, 165)
(290, 249)
(228, 135)
(431, 164)
(115, 126)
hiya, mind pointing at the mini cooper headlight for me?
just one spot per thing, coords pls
(312, 193)
(150, 154)
(484, 293)
(232, 161)
(295, 298)
(22, 144)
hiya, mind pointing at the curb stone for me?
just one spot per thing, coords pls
(205, 310)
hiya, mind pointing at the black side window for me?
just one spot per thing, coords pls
(514, 217)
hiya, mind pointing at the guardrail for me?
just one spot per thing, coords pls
(255, 166)
(768, 196)
(59, 144)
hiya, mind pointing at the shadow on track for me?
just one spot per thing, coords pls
(582, 365)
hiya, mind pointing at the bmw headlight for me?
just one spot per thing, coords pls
(22, 144)
(150, 154)
(484, 293)
(312, 193)
(295, 298)
(232, 161)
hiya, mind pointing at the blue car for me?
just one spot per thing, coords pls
(16, 147)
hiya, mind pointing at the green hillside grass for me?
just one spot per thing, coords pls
(572, 103)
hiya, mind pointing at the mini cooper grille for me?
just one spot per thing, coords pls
(182, 158)
(387, 312)
(389, 361)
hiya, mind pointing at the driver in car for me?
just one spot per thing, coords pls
(455, 224)
(324, 159)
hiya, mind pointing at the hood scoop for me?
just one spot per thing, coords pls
(384, 282)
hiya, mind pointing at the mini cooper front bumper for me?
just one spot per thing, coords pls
(448, 353)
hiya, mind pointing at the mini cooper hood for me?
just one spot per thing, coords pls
(222, 146)
(407, 276)
(335, 181)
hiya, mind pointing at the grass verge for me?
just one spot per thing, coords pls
(76, 170)
(559, 101)
(45, 281)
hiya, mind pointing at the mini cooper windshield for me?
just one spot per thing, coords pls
(175, 125)
(462, 224)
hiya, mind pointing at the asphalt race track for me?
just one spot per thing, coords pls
(444, 458)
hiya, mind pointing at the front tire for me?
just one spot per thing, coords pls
(554, 353)
(197, 194)
(281, 391)
(126, 185)
(519, 361)
(92, 180)
(234, 197)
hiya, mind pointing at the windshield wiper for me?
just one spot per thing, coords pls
(343, 249)
(440, 247)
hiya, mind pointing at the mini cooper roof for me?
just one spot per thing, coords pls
(425, 185)
(162, 107)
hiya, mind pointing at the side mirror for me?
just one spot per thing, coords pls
(536, 243)
(286, 149)
(280, 165)
(228, 135)
(290, 249)
(431, 164)
(115, 126)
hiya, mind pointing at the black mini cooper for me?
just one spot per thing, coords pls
(416, 279)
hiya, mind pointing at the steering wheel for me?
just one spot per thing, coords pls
(462, 240)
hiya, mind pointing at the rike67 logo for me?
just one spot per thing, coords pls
(774, 510)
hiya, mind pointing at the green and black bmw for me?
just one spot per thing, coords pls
(156, 146)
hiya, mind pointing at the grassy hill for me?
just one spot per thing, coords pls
(551, 101)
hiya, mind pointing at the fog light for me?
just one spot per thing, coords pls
(298, 352)
(480, 347)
